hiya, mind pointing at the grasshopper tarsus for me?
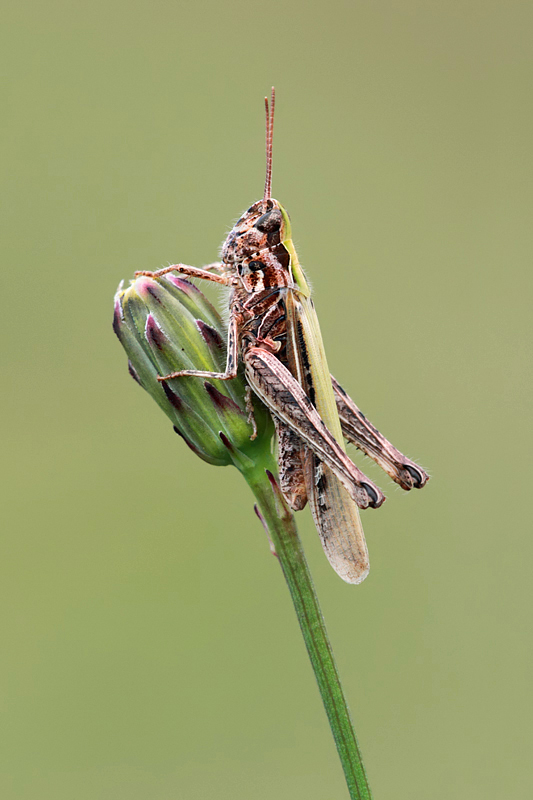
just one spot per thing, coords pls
(375, 500)
(420, 478)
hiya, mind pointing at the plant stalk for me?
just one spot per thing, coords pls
(281, 529)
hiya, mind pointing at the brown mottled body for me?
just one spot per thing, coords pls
(274, 331)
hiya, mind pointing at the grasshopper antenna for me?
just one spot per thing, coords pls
(269, 113)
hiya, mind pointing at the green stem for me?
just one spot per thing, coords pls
(281, 528)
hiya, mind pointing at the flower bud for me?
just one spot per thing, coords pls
(165, 325)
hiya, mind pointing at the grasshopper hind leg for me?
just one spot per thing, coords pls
(365, 436)
(282, 393)
(291, 471)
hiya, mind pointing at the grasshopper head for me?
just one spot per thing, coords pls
(262, 227)
(266, 224)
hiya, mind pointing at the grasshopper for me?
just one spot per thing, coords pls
(273, 329)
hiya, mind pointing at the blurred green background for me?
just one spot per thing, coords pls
(149, 648)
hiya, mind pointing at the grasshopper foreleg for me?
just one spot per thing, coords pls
(192, 272)
(358, 430)
(284, 396)
(232, 361)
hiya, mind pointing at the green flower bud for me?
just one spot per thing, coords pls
(165, 325)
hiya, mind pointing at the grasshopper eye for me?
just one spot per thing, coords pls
(269, 222)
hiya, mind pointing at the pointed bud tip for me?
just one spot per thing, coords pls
(273, 482)
(133, 373)
(221, 401)
(211, 336)
(225, 441)
(117, 318)
(142, 284)
(182, 283)
(154, 335)
(146, 288)
(119, 292)
(281, 503)
(172, 397)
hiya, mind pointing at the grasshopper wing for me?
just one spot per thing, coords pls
(335, 513)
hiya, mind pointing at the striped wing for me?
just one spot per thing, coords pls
(335, 514)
